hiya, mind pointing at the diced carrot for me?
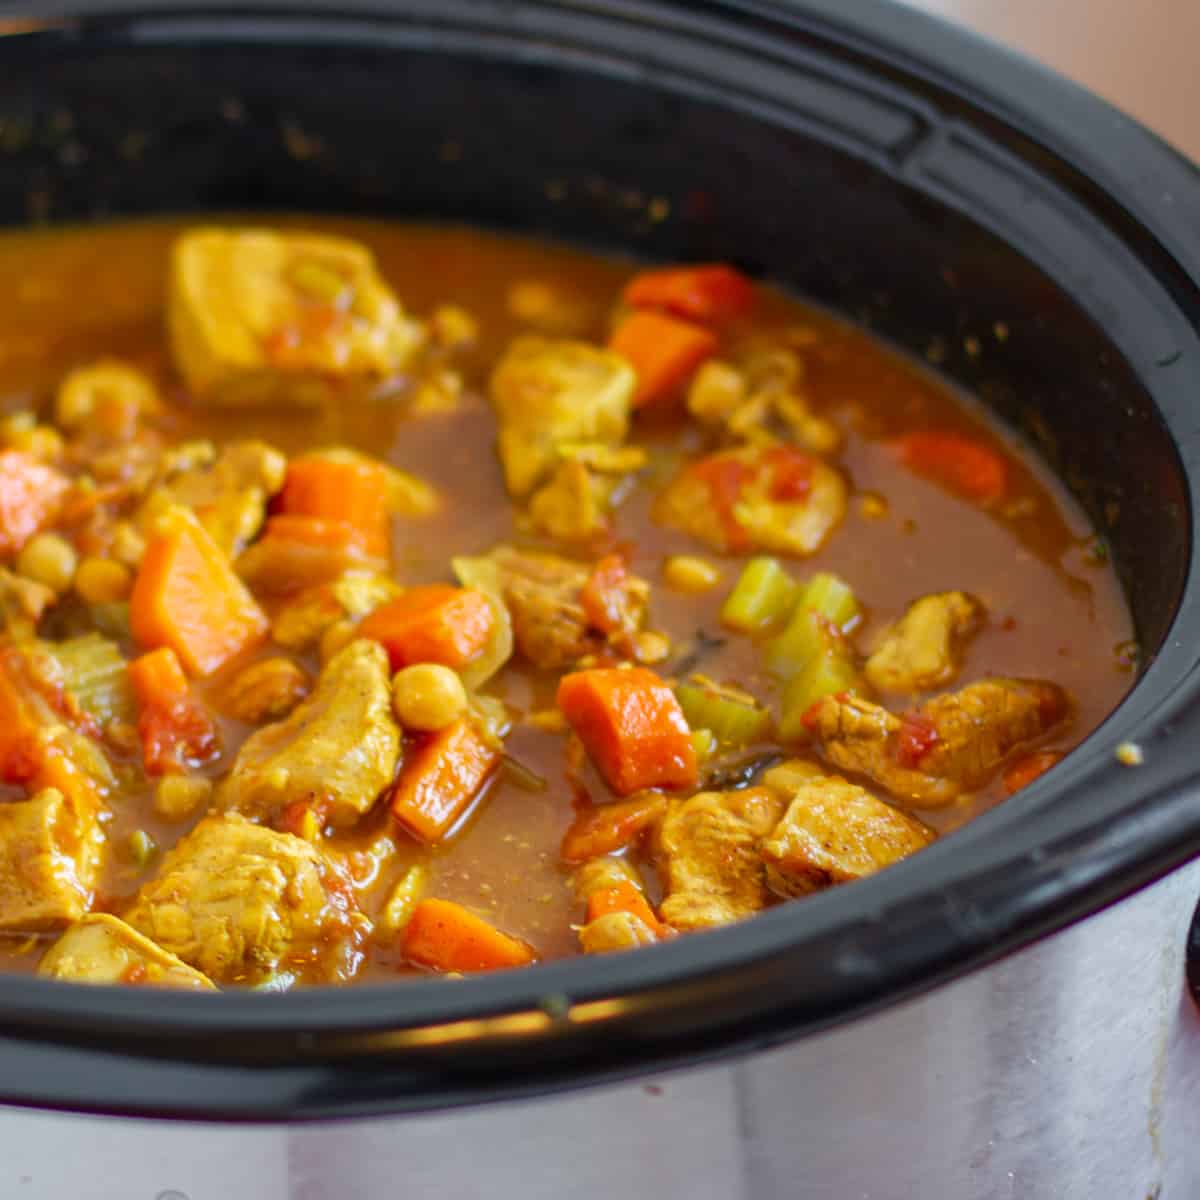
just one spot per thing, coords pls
(187, 596)
(631, 726)
(1025, 770)
(31, 495)
(624, 897)
(447, 937)
(175, 730)
(603, 596)
(703, 293)
(961, 464)
(352, 491)
(607, 828)
(436, 623)
(299, 552)
(35, 746)
(664, 352)
(441, 779)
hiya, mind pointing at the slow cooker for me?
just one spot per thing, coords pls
(1008, 1015)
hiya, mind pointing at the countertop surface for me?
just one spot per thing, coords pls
(1140, 55)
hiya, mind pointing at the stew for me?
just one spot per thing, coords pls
(381, 599)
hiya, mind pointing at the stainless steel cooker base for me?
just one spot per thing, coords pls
(1068, 1072)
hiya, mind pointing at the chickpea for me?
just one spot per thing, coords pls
(178, 796)
(690, 573)
(428, 696)
(102, 580)
(49, 559)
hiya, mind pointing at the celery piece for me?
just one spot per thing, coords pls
(704, 743)
(806, 637)
(826, 675)
(763, 596)
(94, 673)
(831, 597)
(733, 718)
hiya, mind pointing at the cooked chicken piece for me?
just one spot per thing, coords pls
(921, 651)
(949, 745)
(229, 494)
(615, 931)
(339, 748)
(257, 316)
(771, 497)
(50, 852)
(22, 603)
(572, 505)
(835, 832)
(102, 949)
(713, 871)
(547, 393)
(550, 624)
(299, 624)
(265, 691)
(599, 874)
(239, 902)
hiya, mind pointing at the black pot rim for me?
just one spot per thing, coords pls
(1059, 850)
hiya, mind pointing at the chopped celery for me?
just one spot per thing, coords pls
(734, 718)
(826, 675)
(94, 674)
(806, 636)
(483, 574)
(400, 904)
(763, 596)
(704, 743)
(831, 597)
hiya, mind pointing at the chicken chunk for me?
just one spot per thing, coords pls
(547, 393)
(551, 625)
(835, 832)
(573, 505)
(713, 871)
(257, 316)
(22, 603)
(298, 625)
(949, 745)
(615, 931)
(50, 856)
(102, 949)
(773, 498)
(230, 494)
(921, 651)
(240, 903)
(338, 748)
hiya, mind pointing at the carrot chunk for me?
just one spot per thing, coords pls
(447, 937)
(350, 491)
(186, 596)
(631, 726)
(31, 495)
(960, 464)
(664, 352)
(441, 779)
(175, 731)
(607, 828)
(1025, 770)
(436, 623)
(713, 292)
(624, 897)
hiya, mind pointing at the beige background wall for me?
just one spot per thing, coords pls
(1143, 55)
